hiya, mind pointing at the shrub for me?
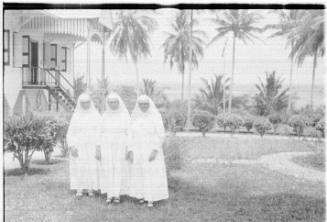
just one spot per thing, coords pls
(262, 125)
(284, 117)
(203, 120)
(284, 129)
(174, 121)
(311, 132)
(320, 126)
(313, 115)
(248, 122)
(298, 123)
(60, 128)
(275, 119)
(232, 121)
(221, 120)
(23, 135)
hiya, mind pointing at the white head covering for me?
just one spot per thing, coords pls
(121, 108)
(83, 119)
(152, 111)
(84, 98)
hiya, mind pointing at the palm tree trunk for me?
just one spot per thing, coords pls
(137, 87)
(182, 87)
(188, 125)
(103, 71)
(232, 78)
(291, 82)
(313, 78)
(290, 87)
(224, 99)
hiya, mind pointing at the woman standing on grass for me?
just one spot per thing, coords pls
(148, 180)
(114, 167)
(83, 141)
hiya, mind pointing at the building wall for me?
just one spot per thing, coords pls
(13, 71)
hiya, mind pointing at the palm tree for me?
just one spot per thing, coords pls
(149, 87)
(309, 41)
(270, 96)
(131, 36)
(241, 24)
(176, 46)
(211, 95)
(155, 93)
(288, 20)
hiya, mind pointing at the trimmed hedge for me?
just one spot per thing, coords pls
(262, 125)
(204, 121)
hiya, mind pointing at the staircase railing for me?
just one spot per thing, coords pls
(64, 83)
(44, 77)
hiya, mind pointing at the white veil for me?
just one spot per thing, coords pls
(78, 119)
(121, 109)
(152, 111)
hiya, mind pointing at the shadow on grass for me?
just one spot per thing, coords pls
(236, 206)
(32, 171)
(43, 162)
(315, 161)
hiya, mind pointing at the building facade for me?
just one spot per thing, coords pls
(38, 58)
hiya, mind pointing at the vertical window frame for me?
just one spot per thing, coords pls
(43, 54)
(13, 49)
(64, 60)
(54, 59)
(6, 49)
(28, 53)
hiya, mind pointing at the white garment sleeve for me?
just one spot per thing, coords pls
(130, 138)
(71, 136)
(160, 133)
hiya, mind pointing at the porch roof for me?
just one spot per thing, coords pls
(74, 27)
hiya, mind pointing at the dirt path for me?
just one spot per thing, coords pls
(282, 162)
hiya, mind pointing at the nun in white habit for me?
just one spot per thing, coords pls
(114, 137)
(83, 141)
(148, 180)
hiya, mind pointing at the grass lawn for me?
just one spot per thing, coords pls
(198, 192)
(315, 161)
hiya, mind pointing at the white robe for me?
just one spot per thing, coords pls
(83, 134)
(114, 167)
(148, 178)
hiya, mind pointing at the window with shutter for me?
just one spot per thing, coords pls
(16, 50)
(53, 56)
(26, 51)
(64, 59)
(6, 47)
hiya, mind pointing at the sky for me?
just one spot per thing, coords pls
(253, 60)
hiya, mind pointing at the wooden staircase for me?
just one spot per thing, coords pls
(56, 84)
(64, 99)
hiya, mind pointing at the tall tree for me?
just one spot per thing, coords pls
(131, 37)
(238, 24)
(288, 20)
(270, 96)
(176, 45)
(309, 41)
